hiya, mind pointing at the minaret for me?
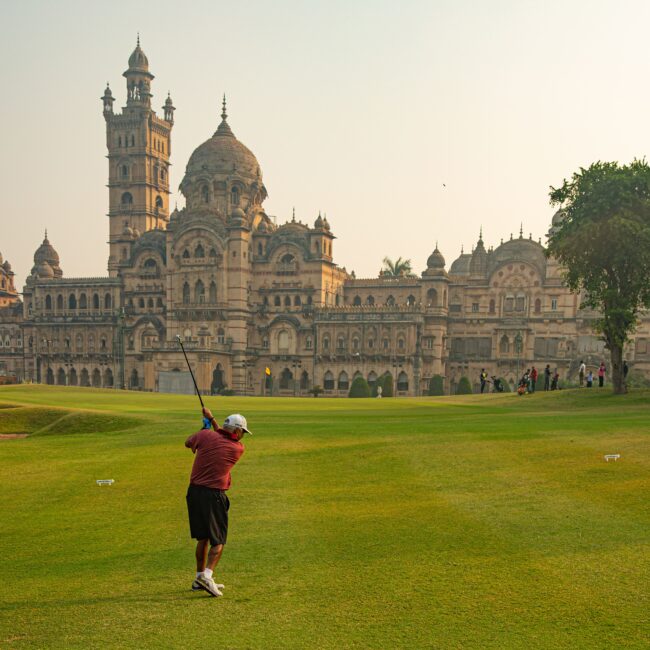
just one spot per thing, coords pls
(139, 148)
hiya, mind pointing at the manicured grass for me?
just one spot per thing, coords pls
(467, 522)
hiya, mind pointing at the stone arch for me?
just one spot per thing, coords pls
(432, 298)
(343, 381)
(108, 378)
(72, 301)
(218, 381)
(134, 380)
(402, 381)
(356, 302)
(48, 302)
(286, 379)
(328, 381)
(97, 378)
(73, 380)
(84, 378)
(304, 380)
(60, 377)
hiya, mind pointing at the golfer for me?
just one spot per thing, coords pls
(216, 452)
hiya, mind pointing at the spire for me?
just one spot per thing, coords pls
(521, 230)
(480, 234)
(224, 128)
(138, 43)
(45, 239)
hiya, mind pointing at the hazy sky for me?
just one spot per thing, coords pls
(361, 109)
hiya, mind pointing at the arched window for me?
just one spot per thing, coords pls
(355, 344)
(265, 301)
(260, 249)
(186, 294)
(48, 302)
(66, 342)
(384, 344)
(371, 343)
(432, 298)
(107, 301)
(286, 377)
(150, 303)
(504, 345)
(141, 303)
(59, 303)
(221, 336)
(538, 306)
(134, 380)
(91, 343)
(340, 343)
(102, 343)
(186, 254)
(199, 292)
(83, 301)
(370, 300)
(234, 196)
(84, 379)
(132, 140)
(287, 259)
(95, 301)
(410, 301)
(400, 344)
(372, 379)
(159, 303)
(79, 343)
(287, 301)
(297, 302)
(72, 301)
(328, 381)
(60, 377)
(212, 253)
(390, 301)
(309, 342)
(304, 380)
(276, 301)
(125, 171)
(198, 251)
(402, 381)
(213, 292)
(108, 378)
(492, 306)
(127, 199)
(344, 382)
(520, 303)
(156, 170)
(357, 301)
(309, 300)
(72, 379)
(205, 194)
(509, 303)
(283, 341)
(326, 343)
(97, 378)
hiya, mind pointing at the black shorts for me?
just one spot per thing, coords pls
(208, 511)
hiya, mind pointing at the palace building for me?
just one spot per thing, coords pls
(246, 295)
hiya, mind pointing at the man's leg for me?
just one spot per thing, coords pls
(202, 547)
(214, 556)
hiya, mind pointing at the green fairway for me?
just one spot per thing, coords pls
(453, 522)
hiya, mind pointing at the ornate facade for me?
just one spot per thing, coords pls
(245, 294)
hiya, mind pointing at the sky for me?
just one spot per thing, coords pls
(407, 122)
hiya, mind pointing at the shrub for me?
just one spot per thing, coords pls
(436, 386)
(636, 379)
(316, 390)
(386, 384)
(464, 386)
(359, 388)
(506, 385)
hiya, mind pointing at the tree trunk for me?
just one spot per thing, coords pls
(618, 383)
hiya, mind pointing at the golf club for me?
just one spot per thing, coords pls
(178, 338)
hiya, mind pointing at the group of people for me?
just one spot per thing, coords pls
(587, 376)
(528, 381)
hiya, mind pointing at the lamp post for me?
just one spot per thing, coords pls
(297, 364)
(518, 345)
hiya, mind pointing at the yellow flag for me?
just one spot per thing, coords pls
(267, 371)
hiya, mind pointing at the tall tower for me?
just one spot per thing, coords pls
(139, 147)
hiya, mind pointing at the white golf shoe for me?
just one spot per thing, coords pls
(209, 585)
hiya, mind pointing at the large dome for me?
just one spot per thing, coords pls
(223, 154)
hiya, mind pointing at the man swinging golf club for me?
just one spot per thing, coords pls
(216, 452)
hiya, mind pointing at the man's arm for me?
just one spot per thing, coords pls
(207, 413)
(192, 442)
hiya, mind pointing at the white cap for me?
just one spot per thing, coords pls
(236, 421)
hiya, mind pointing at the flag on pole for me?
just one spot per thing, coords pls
(267, 370)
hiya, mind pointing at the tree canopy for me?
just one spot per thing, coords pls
(398, 268)
(603, 241)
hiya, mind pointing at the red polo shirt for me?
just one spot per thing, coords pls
(216, 454)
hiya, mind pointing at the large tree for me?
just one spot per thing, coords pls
(398, 268)
(604, 244)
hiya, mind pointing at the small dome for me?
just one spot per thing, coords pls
(319, 222)
(326, 224)
(107, 92)
(138, 59)
(43, 270)
(46, 253)
(436, 260)
(263, 227)
(6, 266)
(168, 101)
(238, 213)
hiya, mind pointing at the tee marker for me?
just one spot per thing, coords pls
(613, 457)
(105, 481)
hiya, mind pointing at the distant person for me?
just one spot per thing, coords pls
(555, 382)
(483, 378)
(601, 374)
(625, 370)
(547, 377)
(590, 379)
(533, 379)
(581, 373)
(216, 450)
(496, 382)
